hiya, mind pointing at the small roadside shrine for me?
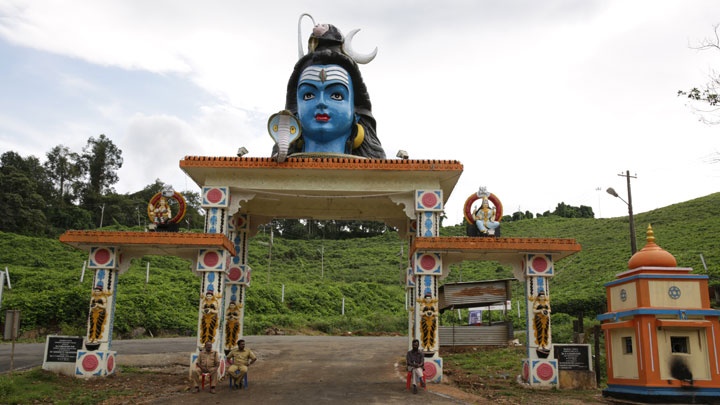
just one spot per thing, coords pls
(661, 335)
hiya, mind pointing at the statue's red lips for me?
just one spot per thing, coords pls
(322, 117)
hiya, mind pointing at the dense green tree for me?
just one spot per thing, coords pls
(63, 169)
(100, 161)
(22, 204)
(568, 211)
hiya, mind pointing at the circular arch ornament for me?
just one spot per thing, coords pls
(545, 371)
(430, 370)
(674, 292)
(155, 202)
(467, 209)
(90, 362)
(110, 364)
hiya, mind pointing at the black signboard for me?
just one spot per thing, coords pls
(572, 357)
(63, 348)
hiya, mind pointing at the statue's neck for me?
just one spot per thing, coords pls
(336, 145)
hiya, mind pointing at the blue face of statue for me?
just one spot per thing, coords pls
(325, 108)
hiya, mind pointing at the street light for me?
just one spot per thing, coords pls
(612, 192)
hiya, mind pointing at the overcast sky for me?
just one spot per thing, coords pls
(542, 101)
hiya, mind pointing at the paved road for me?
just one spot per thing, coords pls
(322, 369)
(28, 355)
(290, 369)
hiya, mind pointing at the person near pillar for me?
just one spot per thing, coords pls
(207, 363)
(240, 359)
(415, 360)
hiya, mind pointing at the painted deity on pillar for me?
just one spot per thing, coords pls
(541, 321)
(327, 106)
(98, 313)
(428, 322)
(233, 317)
(210, 318)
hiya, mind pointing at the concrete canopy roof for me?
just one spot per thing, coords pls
(325, 188)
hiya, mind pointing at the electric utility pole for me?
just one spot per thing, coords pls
(633, 243)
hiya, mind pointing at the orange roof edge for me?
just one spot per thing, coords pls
(548, 245)
(119, 238)
(321, 163)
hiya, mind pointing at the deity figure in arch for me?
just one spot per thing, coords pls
(327, 98)
(485, 217)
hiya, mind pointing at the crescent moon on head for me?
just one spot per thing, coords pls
(359, 58)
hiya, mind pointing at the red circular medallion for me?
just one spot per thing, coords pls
(429, 200)
(234, 274)
(90, 362)
(110, 364)
(539, 264)
(430, 370)
(211, 259)
(214, 195)
(427, 262)
(545, 371)
(240, 222)
(102, 256)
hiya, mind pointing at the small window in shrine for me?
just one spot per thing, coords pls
(679, 344)
(627, 345)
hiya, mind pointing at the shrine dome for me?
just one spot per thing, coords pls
(652, 255)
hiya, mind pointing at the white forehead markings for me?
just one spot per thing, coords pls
(324, 74)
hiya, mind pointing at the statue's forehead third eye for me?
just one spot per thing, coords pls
(325, 73)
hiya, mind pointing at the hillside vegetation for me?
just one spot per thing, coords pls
(367, 272)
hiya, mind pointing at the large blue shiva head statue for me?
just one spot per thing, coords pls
(325, 107)
(328, 110)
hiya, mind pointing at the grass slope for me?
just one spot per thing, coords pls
(368, 273)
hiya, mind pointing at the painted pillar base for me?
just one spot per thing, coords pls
(98, 363)
(433, 369)
(221, 369)
(540, 373)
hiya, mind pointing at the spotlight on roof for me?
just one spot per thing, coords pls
(242, 151)
(402, 154)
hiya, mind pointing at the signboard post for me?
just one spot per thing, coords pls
(575, 368)
(12, 326)
(573, 357)
(61, 353)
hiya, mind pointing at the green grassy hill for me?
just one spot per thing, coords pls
(367, 272)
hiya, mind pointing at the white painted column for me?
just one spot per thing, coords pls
(540, 366)
(211, 266)
(96, 358)
(237, 279)
(427, 269)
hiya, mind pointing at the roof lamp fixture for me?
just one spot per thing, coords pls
(242, 151)
(402, 154)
